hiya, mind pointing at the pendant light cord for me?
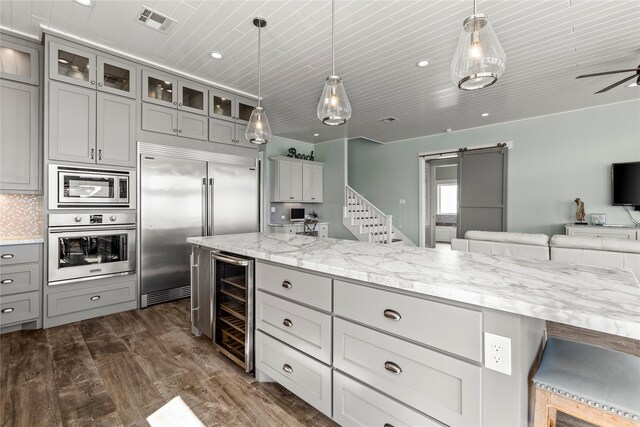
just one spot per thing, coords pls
(333, 36)
(474, 7)
(259, 44)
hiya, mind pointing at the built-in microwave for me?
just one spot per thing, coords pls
(73, 187)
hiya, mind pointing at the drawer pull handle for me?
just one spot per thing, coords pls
(392, 314)
(287, 368)
(7, 310)
(7, 281)
(388, 425)
(287, 284)
(392, 367)
(95, 298)
(7, 256)
(288, 323)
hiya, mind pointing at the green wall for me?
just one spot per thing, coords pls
(554, 160)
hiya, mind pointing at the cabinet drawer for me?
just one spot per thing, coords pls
(18, 254)
(73, 301)
(441, 386)
(305, 377)
(19, 278)
(296, 285)
(301, 327)
(454, 329)
(355, 404)
(19, 308)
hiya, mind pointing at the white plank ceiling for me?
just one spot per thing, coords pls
(548, 43)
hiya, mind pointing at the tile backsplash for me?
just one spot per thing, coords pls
(20, 215)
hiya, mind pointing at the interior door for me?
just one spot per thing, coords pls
(482, 190)
(234, 199)
(172, 209)
(429, 206)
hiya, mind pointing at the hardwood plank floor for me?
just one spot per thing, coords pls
(117, 370)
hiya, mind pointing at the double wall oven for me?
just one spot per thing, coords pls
(92, 225)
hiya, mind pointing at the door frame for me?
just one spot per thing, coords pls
(435, 155)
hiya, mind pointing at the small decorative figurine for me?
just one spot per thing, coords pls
(580, 215)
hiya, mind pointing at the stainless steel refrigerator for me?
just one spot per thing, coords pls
(182, 197)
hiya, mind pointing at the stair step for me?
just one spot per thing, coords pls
(392, 241)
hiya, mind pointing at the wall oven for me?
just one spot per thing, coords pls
(73, 187)
(90, 245)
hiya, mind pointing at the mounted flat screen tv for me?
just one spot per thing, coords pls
(626, 184)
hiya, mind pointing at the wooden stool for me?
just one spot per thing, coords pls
(590, 383)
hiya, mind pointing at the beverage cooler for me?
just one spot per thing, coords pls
(222, 303)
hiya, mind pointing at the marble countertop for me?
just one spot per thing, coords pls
(287, 224)
(596, 298)
(20, 240)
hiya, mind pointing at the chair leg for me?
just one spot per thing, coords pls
(542, 408)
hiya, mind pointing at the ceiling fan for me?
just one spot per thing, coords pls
(636, 72)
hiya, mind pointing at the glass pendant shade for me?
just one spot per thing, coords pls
(334, 108)
(479, 59)
(258, 129)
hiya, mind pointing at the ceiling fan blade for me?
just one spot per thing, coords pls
(626, 79)
(608, 72)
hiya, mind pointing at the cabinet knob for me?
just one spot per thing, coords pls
(100, 154)
(99, 83)
(287, 368)
(287, 284)
(78, 219)
(175, 130)
(175, 103)
(6, 281)
(392, 314)
(392, 367)
(180, 104)
(92, 152)
(112, 218)
(93, 82)
(10, 309)
(291, 197)
(7, 256)
(95, 298)
(179, 130)
(288, 323)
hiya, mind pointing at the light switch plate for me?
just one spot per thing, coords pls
(497, 353)
(403, 201)
(273, 209)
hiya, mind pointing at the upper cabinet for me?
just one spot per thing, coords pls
(83, 67)
(224, 105)
(296, 180)
(165, 90)
(18, 62)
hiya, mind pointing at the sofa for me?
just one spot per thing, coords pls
(596, 251)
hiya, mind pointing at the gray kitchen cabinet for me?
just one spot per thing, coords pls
(19, 60)
(167, 91)
(229, 132)
(19, 137)
(72, 123)
(90, 127)
(192, 125)
(173, 122)
(115, 138)
(287, 180)
(84, 67)
(20, 286)
(227, 106)
(312, 175)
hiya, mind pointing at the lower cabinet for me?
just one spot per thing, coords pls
(355, 404)
(20, 286)
(83, 300)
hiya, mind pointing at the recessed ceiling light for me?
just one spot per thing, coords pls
(423, 63)
(316, 134)
(484, 114)
(449, 130)
(634, 84)
(84, 2)
(216, 55)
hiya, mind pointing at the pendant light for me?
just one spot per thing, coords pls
(479, 59)
(258, 129)
(334, 108)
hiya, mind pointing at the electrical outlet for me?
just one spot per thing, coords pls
(273, 209)
(497, 353)
(403, 201)
(282, 217)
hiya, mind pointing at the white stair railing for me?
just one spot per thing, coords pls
(364, 214)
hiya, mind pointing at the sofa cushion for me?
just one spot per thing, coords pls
(595, 243)
(508, 237)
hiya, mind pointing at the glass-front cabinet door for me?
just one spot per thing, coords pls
(116, 77)
(221, 104)
(192, 98)
(19, 63)
(159, 89)
(244, 108)
(72, 65)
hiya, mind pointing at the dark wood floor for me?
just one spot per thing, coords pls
(117, 370)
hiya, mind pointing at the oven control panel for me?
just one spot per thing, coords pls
(84, 219)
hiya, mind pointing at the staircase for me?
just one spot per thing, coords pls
(368, 223)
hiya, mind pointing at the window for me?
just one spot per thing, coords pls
(447, 199)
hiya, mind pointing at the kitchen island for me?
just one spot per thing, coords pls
(416, 336)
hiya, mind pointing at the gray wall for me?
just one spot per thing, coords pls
(554, 160)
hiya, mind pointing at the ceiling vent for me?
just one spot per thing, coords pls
(388, 119)
(155, 20)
